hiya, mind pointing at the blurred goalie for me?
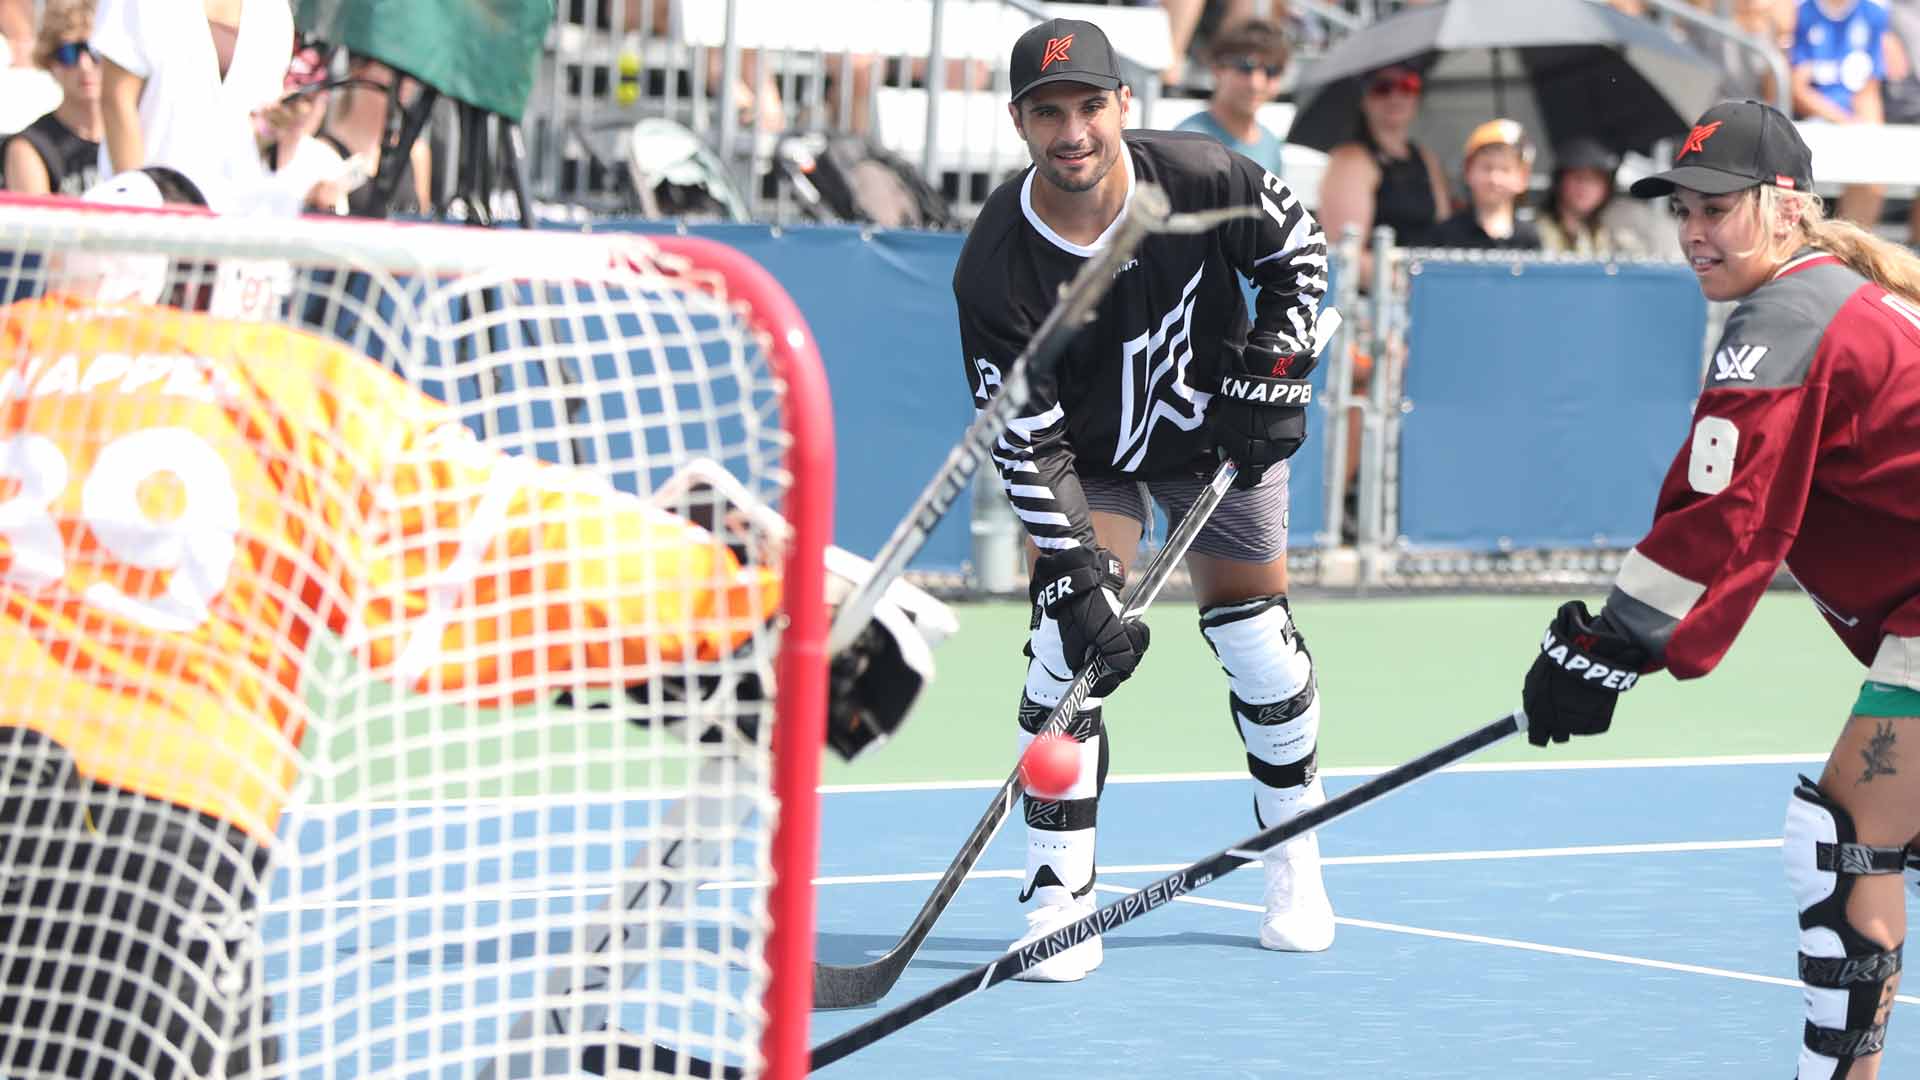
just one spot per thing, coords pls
(185, 501)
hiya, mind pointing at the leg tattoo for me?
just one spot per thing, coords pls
(1878, 754)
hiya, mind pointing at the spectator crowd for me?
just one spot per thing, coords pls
(221, 94)
(225, 93)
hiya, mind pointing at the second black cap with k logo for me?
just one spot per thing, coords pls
(1063, 50)
(1734, 146)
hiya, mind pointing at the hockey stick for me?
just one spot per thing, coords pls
(1124, 910)
(1147, 212)
(845, 987)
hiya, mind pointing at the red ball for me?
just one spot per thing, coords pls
(1051, 766)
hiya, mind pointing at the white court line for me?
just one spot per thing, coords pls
(1334, 860)
(595, 887)
(1509, 943)
(1365, 770)
(523, 803)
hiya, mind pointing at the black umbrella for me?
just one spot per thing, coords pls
(1563, 68)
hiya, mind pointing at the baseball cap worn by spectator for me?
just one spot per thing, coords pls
(1063, 50)
(1500, 133)
(1585, 152)
(1734, 146)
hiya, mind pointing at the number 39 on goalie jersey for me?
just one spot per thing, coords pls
(1129, 395)
(185, 500)
(1805, 449)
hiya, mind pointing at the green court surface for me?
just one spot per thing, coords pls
(1398, 677)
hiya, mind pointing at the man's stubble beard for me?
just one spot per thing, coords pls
(1053, 177)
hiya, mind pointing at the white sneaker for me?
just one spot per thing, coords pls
(1299, 916)
(1054, 908)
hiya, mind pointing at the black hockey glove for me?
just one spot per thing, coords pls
(1080, 590)
(1584, 664)
(1259, 416)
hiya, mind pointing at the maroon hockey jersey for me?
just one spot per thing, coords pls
(1805, 449)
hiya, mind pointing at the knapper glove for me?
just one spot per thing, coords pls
(1584, 664)
(1078, 590)
(1259, 415)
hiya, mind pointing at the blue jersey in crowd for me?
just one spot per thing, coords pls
(1845, 53)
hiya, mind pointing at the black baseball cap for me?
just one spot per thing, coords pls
(1734, 146)
(1063, 50)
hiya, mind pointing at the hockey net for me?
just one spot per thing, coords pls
(319, 721)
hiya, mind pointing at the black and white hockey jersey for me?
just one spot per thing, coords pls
(1129, 395)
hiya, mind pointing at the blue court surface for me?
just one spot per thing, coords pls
(1621, 920)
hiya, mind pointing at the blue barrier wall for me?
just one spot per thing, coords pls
(1547, 400)
(881, 306)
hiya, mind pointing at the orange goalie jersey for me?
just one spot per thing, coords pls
(186, 500)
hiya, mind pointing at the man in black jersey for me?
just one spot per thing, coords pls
(1138, 400)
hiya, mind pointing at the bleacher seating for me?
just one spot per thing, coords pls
(971, 29)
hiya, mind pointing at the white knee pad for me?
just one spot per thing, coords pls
(1848, 978)
(1274, 698)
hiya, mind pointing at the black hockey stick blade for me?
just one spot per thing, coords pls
(1161, 892)
(851, 986)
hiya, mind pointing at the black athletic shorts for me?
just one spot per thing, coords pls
(128, 930)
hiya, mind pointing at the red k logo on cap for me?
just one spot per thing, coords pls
(1697, 138)
(1056, 50)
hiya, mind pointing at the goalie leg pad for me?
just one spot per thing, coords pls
(1849, 979)
(1060, 832)
(1274, 698)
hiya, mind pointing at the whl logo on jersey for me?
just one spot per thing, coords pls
(1737, 363)
(1153, 381)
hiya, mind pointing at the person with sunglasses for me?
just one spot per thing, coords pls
(59, 153)
(1248, 60)
(1383, 177)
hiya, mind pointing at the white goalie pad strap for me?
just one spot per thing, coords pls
(1255, 643)
(1844, 973)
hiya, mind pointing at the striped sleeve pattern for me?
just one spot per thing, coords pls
(1036, 468)
(1033, 455)
(1283, 250)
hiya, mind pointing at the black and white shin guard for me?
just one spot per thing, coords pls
(1060, 832)
(1275, 702)
(1849, 979)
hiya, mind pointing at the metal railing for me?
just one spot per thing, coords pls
(926, 78)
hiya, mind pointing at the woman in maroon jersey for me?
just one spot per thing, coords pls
(1805, 451)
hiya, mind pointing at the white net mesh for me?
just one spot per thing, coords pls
(328, 554)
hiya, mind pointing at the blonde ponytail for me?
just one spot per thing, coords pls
(1886, 264)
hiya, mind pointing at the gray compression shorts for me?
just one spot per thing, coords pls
(1248, 526)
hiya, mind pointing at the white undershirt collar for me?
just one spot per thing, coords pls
(1061, 242)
